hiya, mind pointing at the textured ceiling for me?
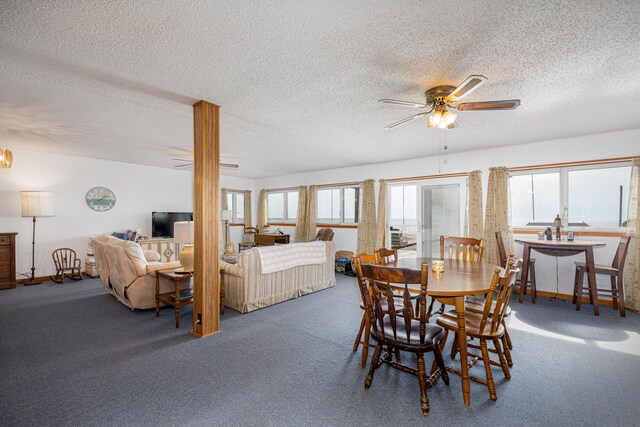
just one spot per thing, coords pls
(298, 81)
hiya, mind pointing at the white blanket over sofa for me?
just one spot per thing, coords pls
(247, 288)
(284, 257)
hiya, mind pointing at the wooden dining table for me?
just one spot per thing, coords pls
(560, 248)
(459, 279)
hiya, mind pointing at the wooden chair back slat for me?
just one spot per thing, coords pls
(500, 288)
(621, 253)
(465, 248)
(378, 281)
(502, 253)
(384, 255)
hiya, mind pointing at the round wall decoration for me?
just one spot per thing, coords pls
(100, 199)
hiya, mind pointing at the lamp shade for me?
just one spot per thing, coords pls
(37, 203)
(226, 215)
(183, 232)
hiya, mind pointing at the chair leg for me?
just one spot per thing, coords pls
(365, 343)
(487, 368)
(454, 346)
(532, 281)
(503, 362)
(614, 293)
(620, 292)
(359, 336)
(574, 299)
(580, 284)
(422, 378)
(439, 362)
(507, 336)
(375, 362)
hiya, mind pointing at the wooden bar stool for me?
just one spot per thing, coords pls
(615, 272)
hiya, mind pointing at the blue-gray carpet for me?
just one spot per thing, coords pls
(72, 355)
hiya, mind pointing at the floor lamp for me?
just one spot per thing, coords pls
(229, 249)
(36, 204)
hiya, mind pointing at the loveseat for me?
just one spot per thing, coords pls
(249, 287)
(128, 273)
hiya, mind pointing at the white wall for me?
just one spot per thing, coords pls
(597, 146)
(139, 190)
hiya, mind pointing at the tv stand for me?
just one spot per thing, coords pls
(165, 246)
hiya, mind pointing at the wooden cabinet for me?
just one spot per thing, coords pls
(7, 260)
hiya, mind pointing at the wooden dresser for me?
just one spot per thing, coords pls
(7, 260)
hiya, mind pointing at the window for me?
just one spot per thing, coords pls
(402, 205)
(535, 198)
(235, 203)
(282, 206)
(339, 205)
(582, 196)
(599, 197)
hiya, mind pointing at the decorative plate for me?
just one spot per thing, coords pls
(100, 199)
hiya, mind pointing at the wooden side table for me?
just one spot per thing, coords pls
(177, 298)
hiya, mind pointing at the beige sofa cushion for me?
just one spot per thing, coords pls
(136, 256)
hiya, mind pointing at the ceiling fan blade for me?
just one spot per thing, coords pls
(405, 103)
(470, 84)
(510, 104)
(229, 165)
(186, 165)
(184, 160)
(403, 121)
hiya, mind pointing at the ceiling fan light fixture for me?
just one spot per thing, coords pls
(447, 118)
(435, 119)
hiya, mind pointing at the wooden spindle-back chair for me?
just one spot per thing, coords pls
(67, 265)
(365, 326)
(384, 255)
(395, 329)
(531, 280)
(488, 325)
(615, 273)
(461, 248)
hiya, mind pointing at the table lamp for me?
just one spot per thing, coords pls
(183, 234)
(36, 204)
(226, 216)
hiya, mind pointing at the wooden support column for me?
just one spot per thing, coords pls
(206, 282)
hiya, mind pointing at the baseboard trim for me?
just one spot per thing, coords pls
(48, 278)
(565, 297)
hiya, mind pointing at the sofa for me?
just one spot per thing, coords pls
(248, 287)
(128, 272)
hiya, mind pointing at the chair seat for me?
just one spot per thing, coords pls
(478, 307)
(449, 320)
(600, 269)
(432, 333)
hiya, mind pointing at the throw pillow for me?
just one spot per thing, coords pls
(122, 236)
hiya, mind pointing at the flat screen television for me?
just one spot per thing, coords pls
(162, 222)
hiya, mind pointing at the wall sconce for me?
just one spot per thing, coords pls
(6, 158)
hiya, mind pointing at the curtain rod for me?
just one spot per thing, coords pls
(233, 190)
(420, 178)
(580, 163)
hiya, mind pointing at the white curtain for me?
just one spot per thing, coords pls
(312, 213)
(247, 208)
(497, 214)
(632, 264)
(367, 225)
(473, 225)
(262, 210)
(381, 218)
(301, 217)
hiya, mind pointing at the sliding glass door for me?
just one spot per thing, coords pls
(440, 214)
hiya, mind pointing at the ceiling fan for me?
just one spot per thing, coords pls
(440, 99)
(187, 163)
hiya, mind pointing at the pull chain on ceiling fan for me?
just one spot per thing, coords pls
(440, 99)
